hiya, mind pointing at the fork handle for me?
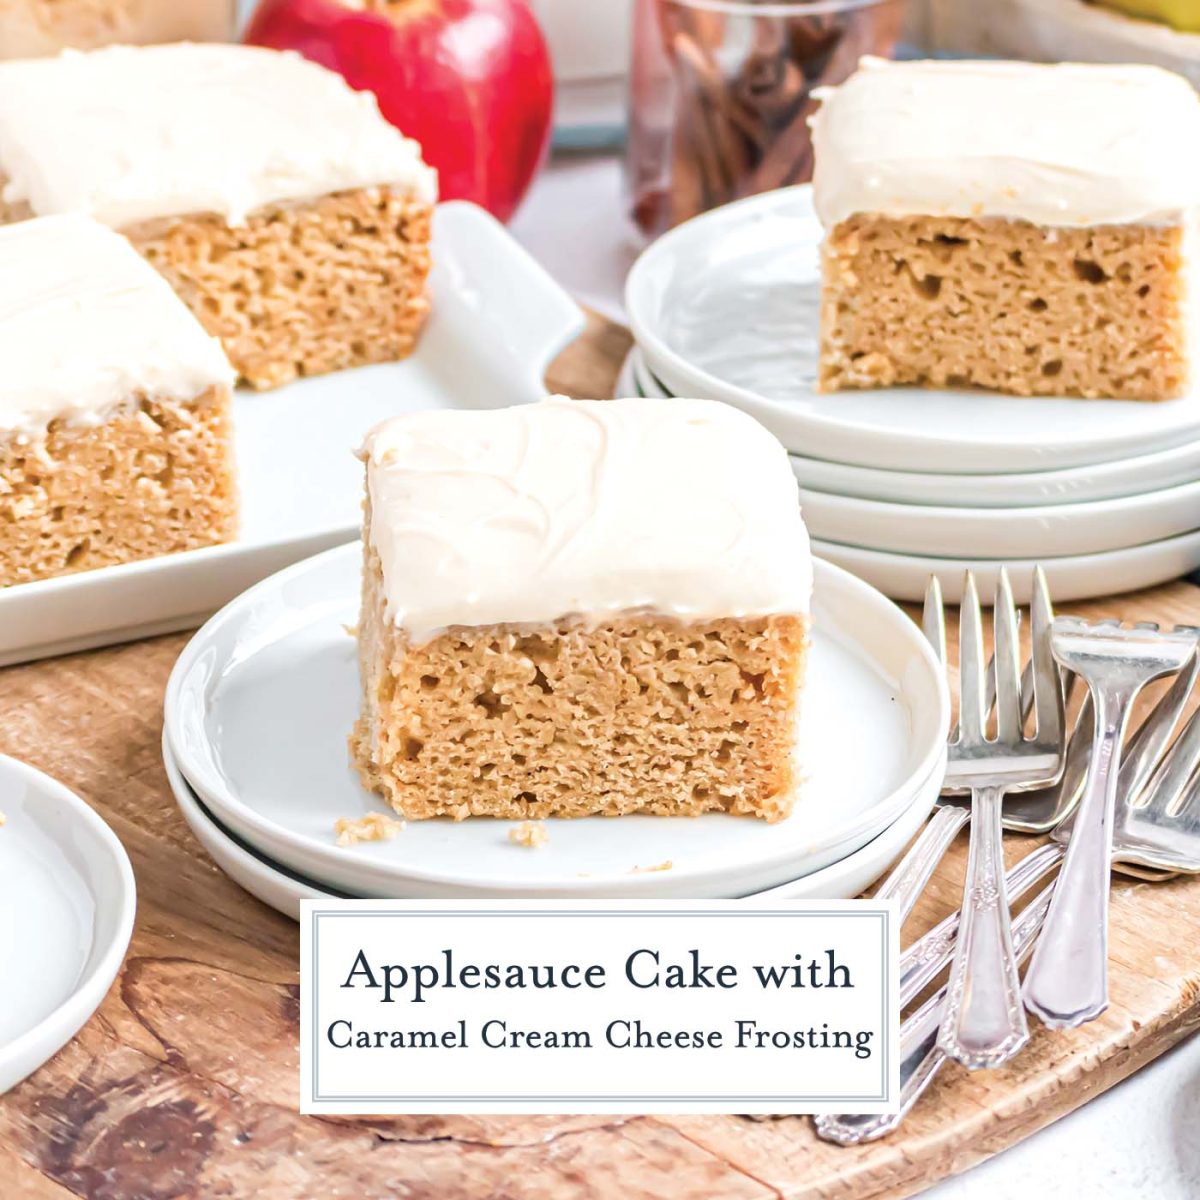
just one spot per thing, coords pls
(920, 1057)
(1067, 981)
(909, 877)
(924, 960)
(983, 1023)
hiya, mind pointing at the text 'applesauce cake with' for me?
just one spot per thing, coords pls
(1022, 227)
(581, 607)
(115, 434)
(277, 201)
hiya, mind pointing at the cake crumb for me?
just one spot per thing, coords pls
(662, 866)
(374, 827)
(529, 833)
(3, 819)
(350, 630)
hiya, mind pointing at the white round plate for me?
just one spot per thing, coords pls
(1079, 577)
(1052, 531)
(972, 526)
(1156, 471)
(67, 892)
(1073, 485)
(283, 889)
(271, 882)
(260, 702)
(628, 383)
(641, 376)
(726, 306)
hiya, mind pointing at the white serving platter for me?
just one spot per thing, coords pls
(1077, 577)
(260, 702)
(283, 889)
(725, 306)
(497, 321)
(1047, 531)
(67, 902)
(1154, 472)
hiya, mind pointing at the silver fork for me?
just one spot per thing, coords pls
(922, 962)
(983, 1022)
(1151, 829)
(1036, 811)
(1067, 981)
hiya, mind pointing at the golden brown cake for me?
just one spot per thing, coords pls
(116, 441)
(285, 211)
(1012, 226)
(581, 607)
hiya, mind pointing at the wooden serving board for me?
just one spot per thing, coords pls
(185, 1084)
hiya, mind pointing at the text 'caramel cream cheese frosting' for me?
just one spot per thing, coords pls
(486, 517)
(86, 324)
(1065, 144)
(130, 133)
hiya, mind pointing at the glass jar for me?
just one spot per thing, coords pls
(35, 28)
(721, 92)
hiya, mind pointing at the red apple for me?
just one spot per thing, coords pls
(469, 79)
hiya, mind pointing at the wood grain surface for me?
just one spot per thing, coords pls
(185, 1084)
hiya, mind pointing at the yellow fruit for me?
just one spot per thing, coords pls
(1183, 15)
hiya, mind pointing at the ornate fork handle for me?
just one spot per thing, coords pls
(920, 1057)
(983, 1023)
(1067, 982)
(909, 877)
(923, 961)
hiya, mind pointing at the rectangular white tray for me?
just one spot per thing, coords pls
(497, 321)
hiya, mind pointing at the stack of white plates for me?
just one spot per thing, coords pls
(261, 701)
(901, 483)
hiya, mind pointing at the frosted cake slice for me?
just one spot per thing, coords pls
(115, 432)
(1022, 227)
(285, 211)
(581, 607)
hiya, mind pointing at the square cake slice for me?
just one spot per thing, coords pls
(581, 607)
(115, 432)
(1021, 227)
(286, 212)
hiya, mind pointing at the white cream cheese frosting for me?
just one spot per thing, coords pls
(126, 133)
(87, 326)
(587, 508)
(1065, 144)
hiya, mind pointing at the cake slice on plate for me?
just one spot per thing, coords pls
(1022, 227)
(115, 434)
(282, 207)
(581, 607)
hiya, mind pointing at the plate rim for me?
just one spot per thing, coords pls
(30, 1050)
(961, 562)
(281, 875)
(996, 514)
(1040, 531)
(634, 371)
(1052, 488)
(225, 802)
(950, 570)
(661, 357)
(191, 804)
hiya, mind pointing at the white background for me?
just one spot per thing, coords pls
(472, 1075)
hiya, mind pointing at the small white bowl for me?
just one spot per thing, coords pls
(68, 891)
